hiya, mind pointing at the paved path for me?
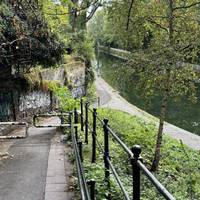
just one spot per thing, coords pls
(110, 98)
(24, 176)
(59, 172)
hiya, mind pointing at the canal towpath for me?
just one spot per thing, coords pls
(110, 98)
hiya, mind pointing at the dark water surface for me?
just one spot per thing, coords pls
(183, 113)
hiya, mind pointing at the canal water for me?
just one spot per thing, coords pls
(182, 113)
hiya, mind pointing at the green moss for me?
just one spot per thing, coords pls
(34, 78)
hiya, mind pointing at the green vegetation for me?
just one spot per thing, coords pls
(34, 79)
(39, 32)
(57, 18)
(25, 38)
(179, 169)
(160, 35)
(66, 101)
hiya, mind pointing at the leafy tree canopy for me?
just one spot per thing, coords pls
(25, 38)
(164, 36)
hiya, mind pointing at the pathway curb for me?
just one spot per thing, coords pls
(58, 172)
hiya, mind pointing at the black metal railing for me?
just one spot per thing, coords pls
(77, 146)
(133, 154)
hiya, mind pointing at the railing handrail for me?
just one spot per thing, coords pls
(118, 180)
(120, 142)
(162, 190)
(81, 177)
(149, 175)
(133, 153)
(155, 182)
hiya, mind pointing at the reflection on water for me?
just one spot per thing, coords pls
(183, 113)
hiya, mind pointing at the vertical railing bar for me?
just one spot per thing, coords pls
(86, 122)
(136, 150)
(76, 123)
(80, 147)
(92, 183)
(82, 123)
(94, 136)
(106, 155)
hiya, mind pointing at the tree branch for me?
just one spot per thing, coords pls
(188, 6)
(53, 14)
(12, 42)
(158, 25)
(96, 5)
(129, 14)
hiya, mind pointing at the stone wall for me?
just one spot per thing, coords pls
(54, 74)
(75, 78)
(32, 103)
(27, 104)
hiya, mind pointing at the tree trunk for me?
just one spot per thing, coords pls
(156, 159)
(163, 112)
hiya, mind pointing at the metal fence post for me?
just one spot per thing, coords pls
(34, 120)
(75, 116)
(70, 118)
(80, 147)
(51, 100)
(136, 150)
(92, 183)
(82, 123)
(86, 122)
(62, 120)
(76, 123)
(98, 101)
(106, 155)
(94, 135)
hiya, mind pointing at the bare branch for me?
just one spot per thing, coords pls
(129, 15)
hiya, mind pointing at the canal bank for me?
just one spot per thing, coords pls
(182, 112)
(110, 98)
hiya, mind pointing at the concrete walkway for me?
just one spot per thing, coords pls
(37, 167)
(59, 172)
(110, 98)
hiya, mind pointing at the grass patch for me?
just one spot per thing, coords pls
(179, 169)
